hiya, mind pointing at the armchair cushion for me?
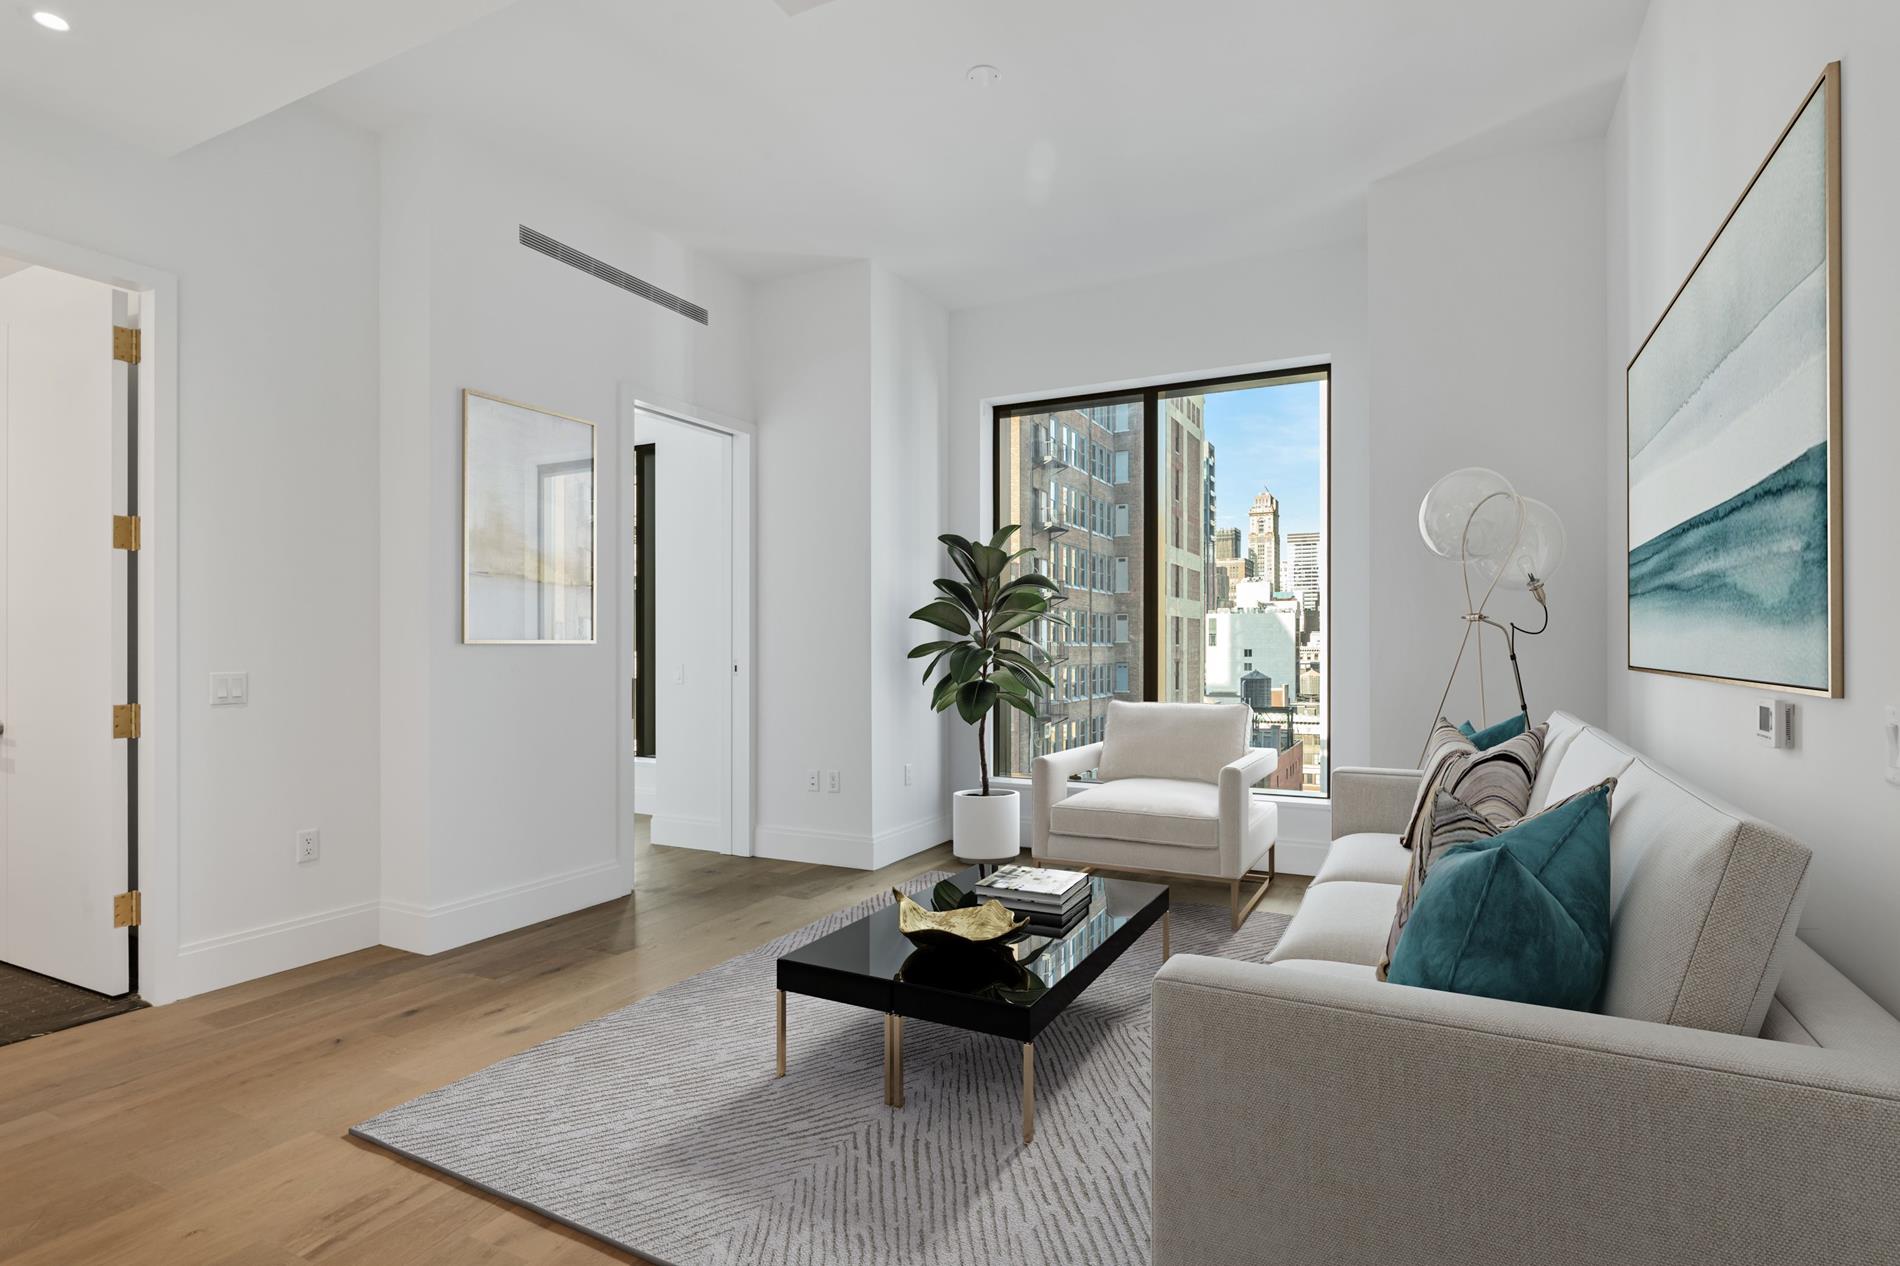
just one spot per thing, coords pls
(1172, 740)
(1181, 812)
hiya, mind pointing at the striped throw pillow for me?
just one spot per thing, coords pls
(1466, 794)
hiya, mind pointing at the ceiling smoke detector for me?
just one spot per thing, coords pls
(983, 76)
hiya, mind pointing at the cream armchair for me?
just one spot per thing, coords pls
(1174, 796)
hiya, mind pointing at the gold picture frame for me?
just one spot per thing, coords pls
(1827, 91)
(530, 525)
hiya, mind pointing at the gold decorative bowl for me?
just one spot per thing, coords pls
(986, 924)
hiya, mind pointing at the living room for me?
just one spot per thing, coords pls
(625, 517)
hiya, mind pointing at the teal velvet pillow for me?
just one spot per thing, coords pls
(1523, 915)
(1491, 735)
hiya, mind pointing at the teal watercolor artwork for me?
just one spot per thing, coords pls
(1734, 436)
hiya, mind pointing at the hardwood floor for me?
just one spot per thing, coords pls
(211, 1131)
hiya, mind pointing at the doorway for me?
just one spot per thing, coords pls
(70, 720)
(687, 604)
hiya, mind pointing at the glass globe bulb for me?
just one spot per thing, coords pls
(1539, 550)
(1469, 513)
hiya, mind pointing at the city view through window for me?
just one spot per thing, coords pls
(1191, 556)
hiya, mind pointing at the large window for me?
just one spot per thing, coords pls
(1187, 526)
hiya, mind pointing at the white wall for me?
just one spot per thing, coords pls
(501, 789)
(1710, 87)
(1486, 301)
(688, 790)
(271, 231)
(851, 367)
(1288, 309)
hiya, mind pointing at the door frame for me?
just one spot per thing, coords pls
(157, 564)
(741, 433)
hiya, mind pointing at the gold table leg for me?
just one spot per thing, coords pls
(781, 1033)
(1164, 956)
(897, 1061)
(1029, 1092)
(887, 1059)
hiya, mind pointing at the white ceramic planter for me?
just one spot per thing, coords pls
(986, 828)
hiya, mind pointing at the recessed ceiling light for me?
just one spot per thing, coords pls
(983, 76)
(52, 21)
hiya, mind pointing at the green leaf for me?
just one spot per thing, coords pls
(1013, 620)
(931, 648)
(990, 561)
(1022, 664)
(945, 615)
(945, 693)
(1021, 703)
(931, 667)
(966, 662)
(1003, 534)
(947, 896)
(1031, 580)
(1025, 599)
(960, 594)
(975, 699)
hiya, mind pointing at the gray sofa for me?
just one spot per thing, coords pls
(1735, 1100)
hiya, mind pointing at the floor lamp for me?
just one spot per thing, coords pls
(1474, 515)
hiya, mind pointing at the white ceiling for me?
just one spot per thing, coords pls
(167, 74)
(1124, 136)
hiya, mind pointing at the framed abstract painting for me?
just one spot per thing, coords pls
(527, 523)
(1734, 435)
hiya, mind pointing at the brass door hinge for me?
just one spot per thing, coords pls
(125, 531)
(127, 910)
(125, 344)
(125, 720)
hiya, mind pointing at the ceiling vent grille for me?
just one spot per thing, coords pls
(536, 241)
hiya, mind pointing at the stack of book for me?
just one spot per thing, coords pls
(1055, 901)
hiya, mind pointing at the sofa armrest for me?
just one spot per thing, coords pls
(1048, 785)
(1373, 799)
(1302, 1116)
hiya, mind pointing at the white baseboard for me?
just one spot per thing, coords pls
(894, 845)
(820, 848)
(676, 831)
(235, 957)
(433, 929)
(1299, 857)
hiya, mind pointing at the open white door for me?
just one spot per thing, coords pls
(691, 787)
(63, 788)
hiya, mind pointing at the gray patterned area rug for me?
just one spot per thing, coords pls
(661, 1129)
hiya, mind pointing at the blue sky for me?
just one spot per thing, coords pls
(1267, 437)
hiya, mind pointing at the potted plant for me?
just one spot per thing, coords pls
(987, 664)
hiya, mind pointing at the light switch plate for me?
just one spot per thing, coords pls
(230, 690)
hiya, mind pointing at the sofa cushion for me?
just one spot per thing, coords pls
(1172, 740)
(1588, 760)
(1491, 735)
(1175, 811)
(1344, 922)
(1704, 904)
(1523, 915)
(1325, 967)
(1559, 733)
(1496, 783)
(1370, 856)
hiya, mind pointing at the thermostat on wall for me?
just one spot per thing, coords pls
(1774, 722)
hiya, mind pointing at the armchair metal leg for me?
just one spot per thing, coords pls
(1240, 911)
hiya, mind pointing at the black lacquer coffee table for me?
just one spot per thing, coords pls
(868, 963)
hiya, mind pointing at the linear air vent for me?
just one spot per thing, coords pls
(613, 276)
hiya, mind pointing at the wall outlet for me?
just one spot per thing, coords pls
(907, 773)
(230, 690)
(831, 780)
(309, 846)
(811, 780)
